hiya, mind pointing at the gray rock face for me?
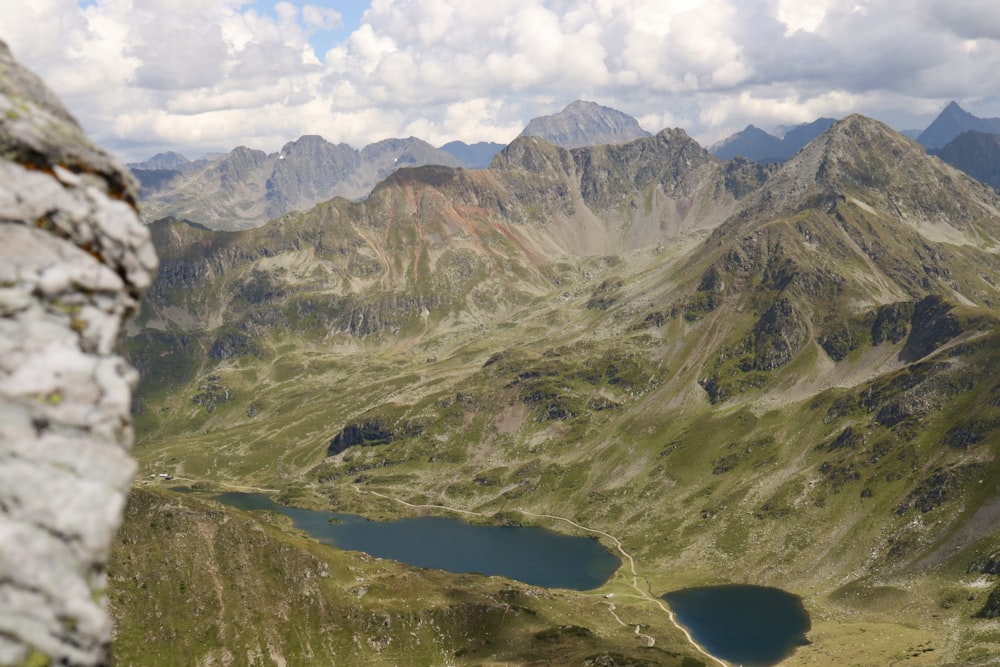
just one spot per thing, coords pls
(74, 260)
(585, 124)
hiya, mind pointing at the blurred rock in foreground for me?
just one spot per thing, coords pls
(74, 261)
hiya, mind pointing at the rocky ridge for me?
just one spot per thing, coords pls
(74, 261)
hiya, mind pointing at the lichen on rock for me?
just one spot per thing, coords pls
(74, 260)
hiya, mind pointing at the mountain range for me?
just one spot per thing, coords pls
(247, 187)
(776, 373)
(760, 146)
(757, 145)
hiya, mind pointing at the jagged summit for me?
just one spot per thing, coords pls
(585, 124)
(531, 153)
(644, 191)
(666, 157)
(860, 227)
(953, 121)
(860, 218)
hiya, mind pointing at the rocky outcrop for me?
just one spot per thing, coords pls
(934, 324)
(74, 260)
(992, 607)
(367, 433)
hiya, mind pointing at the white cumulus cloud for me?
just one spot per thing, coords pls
(206, 75)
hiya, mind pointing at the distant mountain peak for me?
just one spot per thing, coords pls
(953, 121)
(755, 144)
(165, 160)
(585, 123)
(954, 111)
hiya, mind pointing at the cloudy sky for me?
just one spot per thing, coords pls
(144, 76)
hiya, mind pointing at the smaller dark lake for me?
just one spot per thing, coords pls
(528, 554)
(753, 626)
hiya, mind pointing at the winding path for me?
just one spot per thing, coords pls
(642, 594)
(238, 487)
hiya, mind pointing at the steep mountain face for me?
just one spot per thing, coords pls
(757, 145)
(475, 156)
(585, 124)
(247, 187)
(953, 121)
(780, 374)
(975, 153)
(621, 197)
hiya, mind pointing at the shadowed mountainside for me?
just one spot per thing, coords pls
(975, 153)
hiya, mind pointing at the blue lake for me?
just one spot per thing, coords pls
(528, 554)
(753, 626)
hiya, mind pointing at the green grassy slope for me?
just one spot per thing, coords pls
(191, 583)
